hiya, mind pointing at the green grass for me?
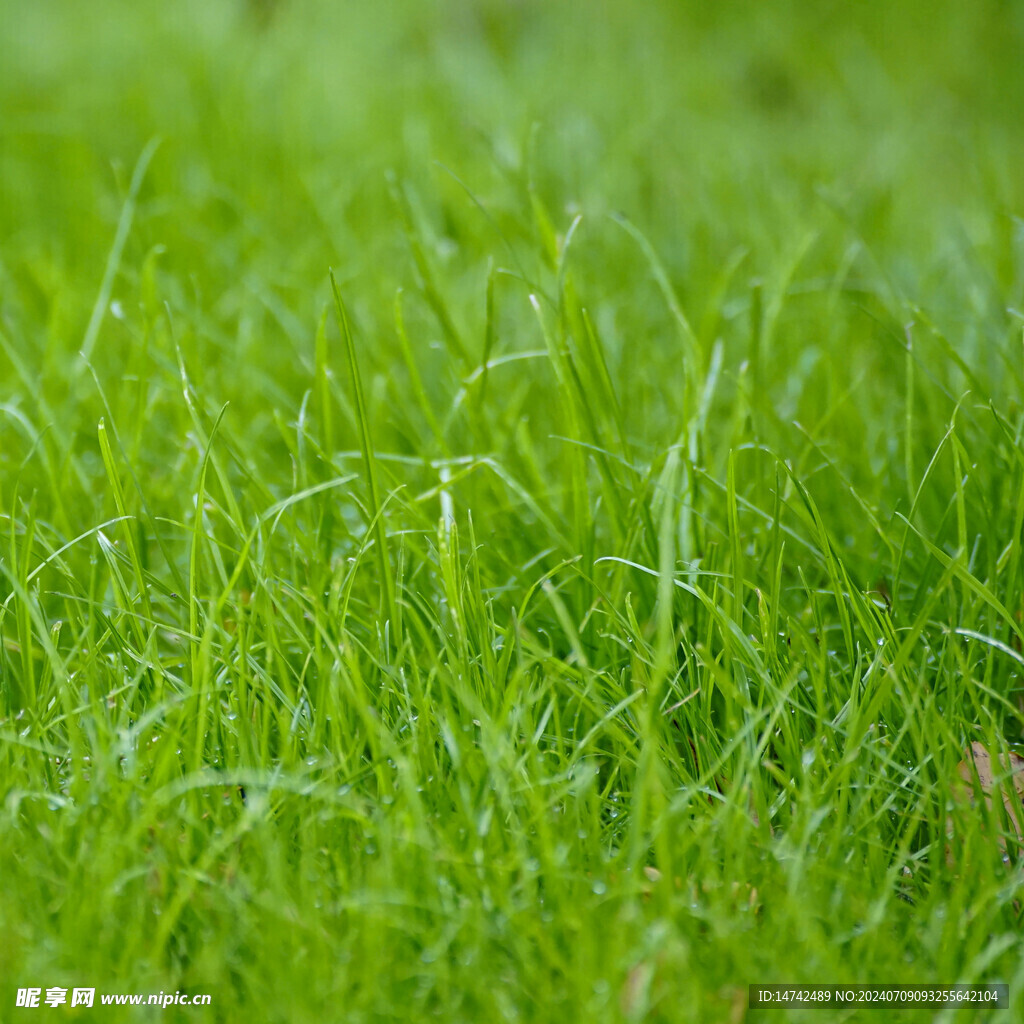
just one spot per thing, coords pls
(580, 610)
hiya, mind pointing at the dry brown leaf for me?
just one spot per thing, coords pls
(652, 876)
(1005, 775)
(634, 999)
(738, 1010)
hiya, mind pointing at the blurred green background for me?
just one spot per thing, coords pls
(847, 158)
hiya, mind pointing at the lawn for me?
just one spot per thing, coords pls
(510, 510)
